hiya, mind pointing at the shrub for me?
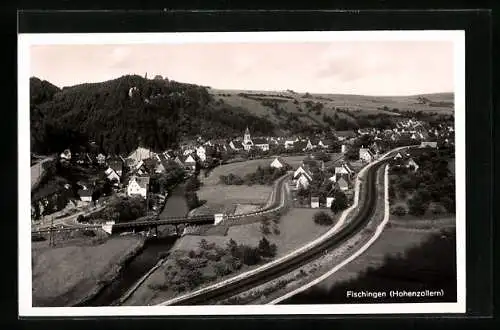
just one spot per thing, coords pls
(203, 244)
(232, 246)
(37, 238)
(340, 202)
(323, 218)
(192, 200)
(266, 249)
(264, 229)
(222, 269)
(213, 256)
(250, 255)
(89, 233)
(399, 211)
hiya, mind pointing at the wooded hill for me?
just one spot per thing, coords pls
(122, 113)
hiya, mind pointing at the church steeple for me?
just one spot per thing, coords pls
(246, 137)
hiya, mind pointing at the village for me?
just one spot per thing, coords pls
(329, 165)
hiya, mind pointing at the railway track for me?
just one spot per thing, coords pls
(361, 218)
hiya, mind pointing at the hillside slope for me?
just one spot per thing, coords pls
(312, 108)
(122, 113)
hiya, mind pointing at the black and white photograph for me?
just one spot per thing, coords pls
(242, 173)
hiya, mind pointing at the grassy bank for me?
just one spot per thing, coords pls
(70, 274)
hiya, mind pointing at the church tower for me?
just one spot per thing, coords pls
(246, 137)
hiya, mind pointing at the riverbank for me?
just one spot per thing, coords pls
(69, 275)
(292, 230)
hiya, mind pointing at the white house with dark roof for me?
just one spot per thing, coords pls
(261, 143)
(309, 145)
(85, 195)
(342, 183)
(66, 155)
(410, 163)
(138, 185)
(344, 169)
(302, 170)
(290, 142)
(101, 159)
(112, 175)
(201, 152)
(366, 155)
(303, 181)
(428, 144)
(236, 145)
(343, 148)
(278, 162)
(314, 202)
(190, 163)
(140, 153)
(324, 143)
(398, 156)
(345, 135)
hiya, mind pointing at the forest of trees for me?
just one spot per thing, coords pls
(430, 188)
(157, 114)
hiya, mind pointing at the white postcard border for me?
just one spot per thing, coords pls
(25, 41)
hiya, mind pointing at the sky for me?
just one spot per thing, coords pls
(389, 68)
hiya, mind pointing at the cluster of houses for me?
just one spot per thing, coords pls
(404, 159)
(341, 178)
(142, 163)
(266, 143)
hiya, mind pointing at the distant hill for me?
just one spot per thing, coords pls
(122, 113)
(261, 103)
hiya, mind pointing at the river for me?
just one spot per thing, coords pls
(132, 271)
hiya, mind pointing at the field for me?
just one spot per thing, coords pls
(233, 198)
(359, 104)
(239, 169)
(297, 228)
(63, 276)
(393, 241)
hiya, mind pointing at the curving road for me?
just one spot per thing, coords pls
(37, 171)
(232, 287)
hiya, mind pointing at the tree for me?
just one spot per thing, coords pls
(232, 246)
(399, 211)
(352, 153)
(36, 207)
(339, 202)
(264, 228)
(266, 249)
(192, 184)
(250, 256)
(416, 206)
(323, 218)
(192, 200)
(448, 203)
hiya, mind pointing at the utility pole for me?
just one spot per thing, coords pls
(51, 236)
